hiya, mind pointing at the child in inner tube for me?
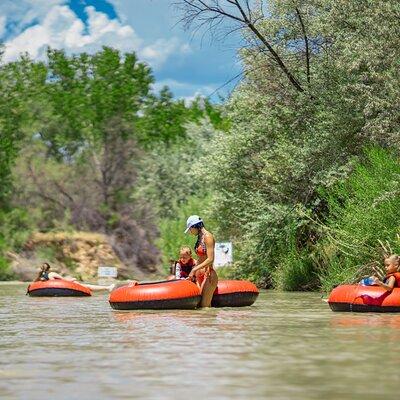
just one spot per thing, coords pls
(45, 274)
(185, 264)
(392, 278)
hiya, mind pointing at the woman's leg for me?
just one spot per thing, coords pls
(97, 288)
(70, 279)
(54, 275)
(208, 288)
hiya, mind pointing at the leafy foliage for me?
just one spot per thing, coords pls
(364, 215)
(15, 227)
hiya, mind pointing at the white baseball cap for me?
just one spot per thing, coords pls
(192, 220)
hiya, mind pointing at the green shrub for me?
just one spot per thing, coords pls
(275, 251)
(15, 228)
(5, 272)
(364, 214)
(295, 269)
(290, 249)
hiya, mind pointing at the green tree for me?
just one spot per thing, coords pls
(86, 92)
(15, 85)
(287, 139)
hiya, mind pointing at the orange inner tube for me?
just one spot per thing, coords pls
(234, 293)
(235, 286)
(172, 294)
(364, 299)
(57, 287)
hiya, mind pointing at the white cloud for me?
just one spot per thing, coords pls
(158, 52)
(185, 90)
(60, 28)
(190, 99)
(22, 13)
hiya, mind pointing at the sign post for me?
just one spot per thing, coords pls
(107, 273)
(223, 254)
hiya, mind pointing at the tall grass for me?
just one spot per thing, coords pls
(364, 214)
(295, 269)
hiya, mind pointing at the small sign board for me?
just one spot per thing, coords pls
(223, 254)
(107, 272)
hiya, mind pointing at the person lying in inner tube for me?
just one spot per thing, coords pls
(392, 278)
(185, 264)
(203, 271)
(45, 274)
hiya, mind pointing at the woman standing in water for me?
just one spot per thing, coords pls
(46, 275)
(206, 277)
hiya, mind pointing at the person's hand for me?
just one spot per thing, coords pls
(190, 277)
(375, 280)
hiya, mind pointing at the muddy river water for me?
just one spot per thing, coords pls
(285, 346)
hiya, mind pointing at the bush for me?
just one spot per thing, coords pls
(15, 228)
(290, 249)
(364, 214)
(276, 251)
(295, 269)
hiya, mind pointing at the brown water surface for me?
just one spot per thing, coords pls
(286, 346)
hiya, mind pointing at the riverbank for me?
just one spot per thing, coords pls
(74, 253)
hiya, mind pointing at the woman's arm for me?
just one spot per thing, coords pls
(39, 278)
(389, 285)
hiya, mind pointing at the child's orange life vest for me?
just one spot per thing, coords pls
(397, 277)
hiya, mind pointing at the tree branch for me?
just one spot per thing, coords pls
(303, 29)
(275, 55)
(63, 191)
(198, 10)
(41, 189)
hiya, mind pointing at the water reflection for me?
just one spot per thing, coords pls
(370, 320)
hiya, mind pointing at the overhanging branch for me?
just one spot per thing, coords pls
(207, 11)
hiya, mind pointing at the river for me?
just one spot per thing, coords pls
(285, 346)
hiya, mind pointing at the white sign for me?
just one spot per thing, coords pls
(223, 254)
(107, 272)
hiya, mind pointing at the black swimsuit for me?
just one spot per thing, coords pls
(44, 276)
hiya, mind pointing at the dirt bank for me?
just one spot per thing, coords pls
(75, 253)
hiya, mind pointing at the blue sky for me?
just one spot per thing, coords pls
(188, 63)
